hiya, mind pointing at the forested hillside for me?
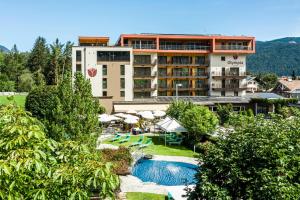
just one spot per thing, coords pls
(281, 56)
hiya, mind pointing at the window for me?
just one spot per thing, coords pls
(104, 93)
(122, 83)
(142, 59)
(223, 58)
(181, 60)
(78, 67)
(122, 93)
(104, 70)
(200, 60)
(236, 93)
(162, 84)
(162, 71)
(223, 93)
(78, 56)
(113, 56)
(162, 59)
(104, 83)
(122, 70)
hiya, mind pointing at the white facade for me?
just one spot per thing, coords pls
(221, 64)
(89, 64)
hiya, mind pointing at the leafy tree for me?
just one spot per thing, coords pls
(258, 161)
(199, 121)
(177, 108)
(224, 112)
(26, 82)
(35, 167)
(67, 111)
(267, 80)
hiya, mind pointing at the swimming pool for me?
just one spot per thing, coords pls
(165, 172)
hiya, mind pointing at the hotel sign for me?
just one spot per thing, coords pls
(92, 72)
(235, 62)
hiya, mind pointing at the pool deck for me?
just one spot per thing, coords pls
(131, 183)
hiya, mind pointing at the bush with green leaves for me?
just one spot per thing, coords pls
(199, 121)
(35, 167)
(67, 111)
(257, 161)
(223, 112)
(177, 108)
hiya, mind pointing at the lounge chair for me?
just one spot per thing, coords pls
(147, 143)
(117, 137)
(126, 139)
(139, 142)
(177, 141)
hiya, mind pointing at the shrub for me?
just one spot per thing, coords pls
(121, 158)
(42, 101)
(177, 108)
(199, 121)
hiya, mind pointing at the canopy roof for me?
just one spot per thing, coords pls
(171, 125)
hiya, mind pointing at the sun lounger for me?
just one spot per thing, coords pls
(117, 137)
(126, 139)
(177, 142)
(139, 142)
(147, 143)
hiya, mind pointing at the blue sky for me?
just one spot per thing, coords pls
(23, 21)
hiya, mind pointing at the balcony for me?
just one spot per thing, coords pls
(200, 87)
(184, 47)
(182, 75)
(144, 87)
(230, 87)
(145, 63)
(229, 75)
(144, 74)
(233, 47)
(141, 46)
(182, 64)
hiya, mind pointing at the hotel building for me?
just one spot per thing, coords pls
(143, 68)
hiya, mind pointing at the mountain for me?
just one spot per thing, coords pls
(280, 56)
(3, 48)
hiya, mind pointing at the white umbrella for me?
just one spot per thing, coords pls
(148, 116)
(144, 112)
(131, 112)
(159, 113)
(104, 118)
(130, 120)
(132, 117)
(120, 115)
(107, 118)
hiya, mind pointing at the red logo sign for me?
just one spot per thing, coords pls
(92, 72)
(235, 57)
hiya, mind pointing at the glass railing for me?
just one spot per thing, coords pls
(142, 46)
(232, 47)
(229, 73)
(183, 47)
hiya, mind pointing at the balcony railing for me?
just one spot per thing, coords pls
(229, 73)
(232, 47)
(184, 87)
(229, 87)
(182, 75)
(144, 74)
(183, 47)
(183, 64)
(141, 46)
(137, 62)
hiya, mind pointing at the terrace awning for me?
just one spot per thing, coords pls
(139, 107)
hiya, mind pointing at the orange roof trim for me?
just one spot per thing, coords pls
(87, 39)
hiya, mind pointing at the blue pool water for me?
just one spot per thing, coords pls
(165, 172)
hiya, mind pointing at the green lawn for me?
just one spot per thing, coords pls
(144, 196)
(18, 99)
(158, 147)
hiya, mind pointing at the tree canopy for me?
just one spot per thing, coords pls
(257, 161)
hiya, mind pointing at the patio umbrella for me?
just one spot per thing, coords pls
(130, 120)
(131, 112)
(104, 118)
(132, 116)
(120, 115)
(159, 113)
(148, 116)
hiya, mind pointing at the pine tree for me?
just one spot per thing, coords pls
(38, 57)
